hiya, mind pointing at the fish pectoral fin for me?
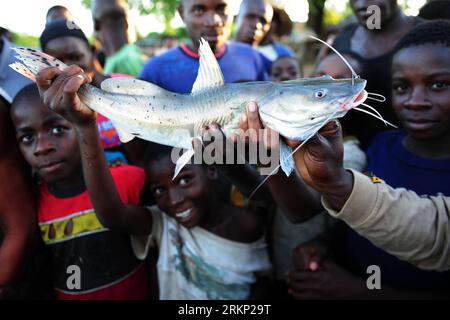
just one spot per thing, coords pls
(123, 135)
(286, 160)
(131, 86)
(182, 161)
(209, 73)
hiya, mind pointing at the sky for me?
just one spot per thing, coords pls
(28, 16)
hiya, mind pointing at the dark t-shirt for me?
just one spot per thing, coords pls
(392, 162)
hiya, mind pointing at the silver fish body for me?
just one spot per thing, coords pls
(296, 109)
(291, 108)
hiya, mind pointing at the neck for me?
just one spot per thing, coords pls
(214, 216)
(434, 149)
(194, 47)
(114, 41)
(70, 186)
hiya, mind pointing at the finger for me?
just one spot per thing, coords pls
(55, 91)
(253, 116)
(243, 126)
(74, 83)
(293, 143)
(45, 78)
(302, 276)
(243, 122)
(313, 266)
(197, 144)
(332, 128)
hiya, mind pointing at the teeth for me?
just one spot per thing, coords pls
(183, 214)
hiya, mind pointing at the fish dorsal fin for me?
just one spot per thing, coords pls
(131, 86)
(209, 73)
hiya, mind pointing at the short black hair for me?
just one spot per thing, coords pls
(436, 9)
(30, 91)
(61, 28)
(56, 8)
(155, 152)
(431, 32)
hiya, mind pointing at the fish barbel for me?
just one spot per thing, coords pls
(296, 109)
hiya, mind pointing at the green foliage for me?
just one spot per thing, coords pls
(333, 17)
(163, 9)
(25, 40)
(86, 3)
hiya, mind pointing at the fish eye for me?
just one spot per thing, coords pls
(320, 94)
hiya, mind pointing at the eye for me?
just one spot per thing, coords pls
(198, 10)
(320, 94)
(438, 85)
(400, 88)
(158, 191)
(184, 181)
(57, 131)
(26, 138)
(222, 9)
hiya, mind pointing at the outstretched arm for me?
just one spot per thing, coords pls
(297, 200)
(245, 177)
(413, 228)
(59, 92)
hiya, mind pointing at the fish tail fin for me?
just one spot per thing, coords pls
(33, 61)
(23, 70)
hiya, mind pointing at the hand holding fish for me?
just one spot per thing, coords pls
(320, 164)
(59, 92)
(251, 125)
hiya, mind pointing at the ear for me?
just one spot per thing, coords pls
(212, 173)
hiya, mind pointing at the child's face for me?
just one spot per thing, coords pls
(187, 198)
(333, 66)
(71, 50)
(421, 90)
(47, 141)
(285, 69)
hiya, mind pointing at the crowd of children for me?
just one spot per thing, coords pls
(112, 214)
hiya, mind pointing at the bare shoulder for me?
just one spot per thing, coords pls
(245, 225)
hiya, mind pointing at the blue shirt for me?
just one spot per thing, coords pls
(11, 82)
(389, 160)
(177, 69)
(281, 51)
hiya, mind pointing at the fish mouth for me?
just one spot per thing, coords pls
(356, 100)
